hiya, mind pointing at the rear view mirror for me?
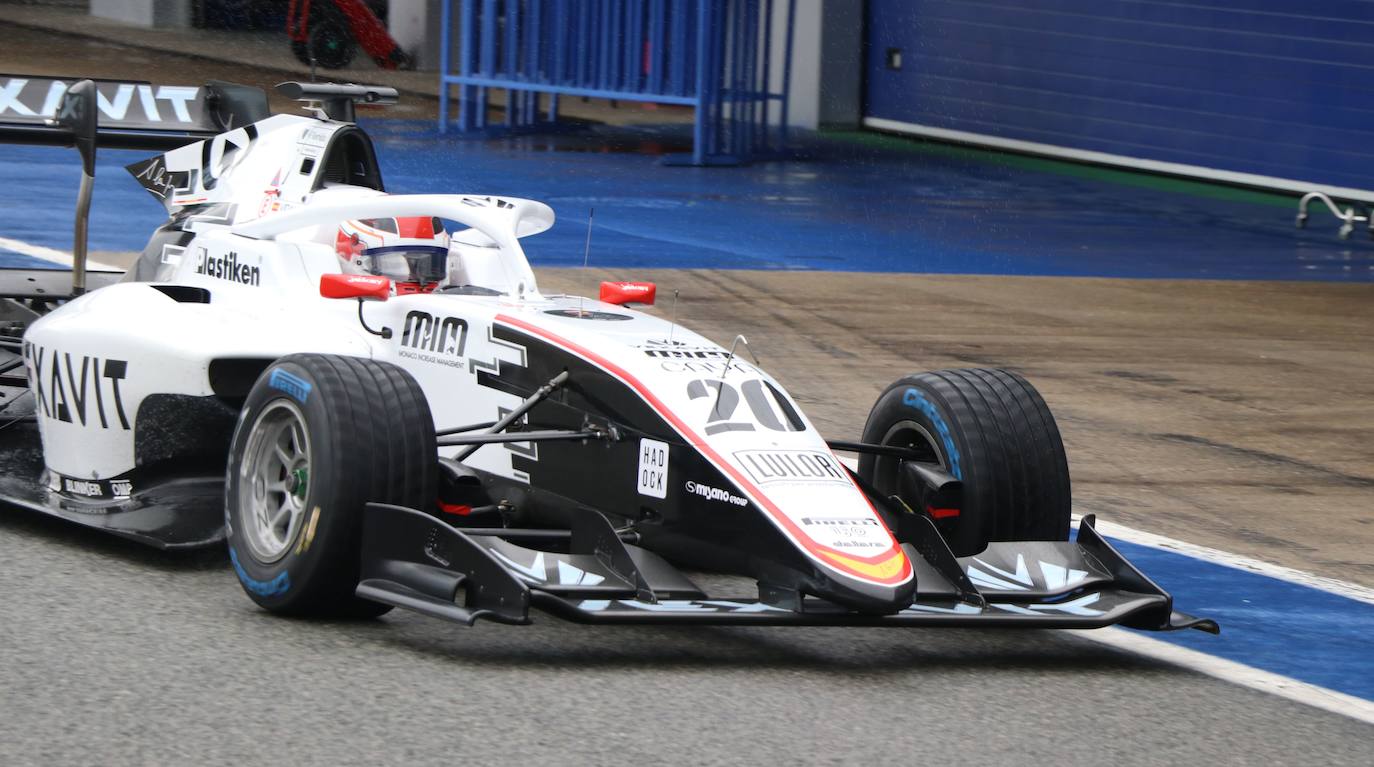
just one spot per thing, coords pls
(621, 293)
(355, 286)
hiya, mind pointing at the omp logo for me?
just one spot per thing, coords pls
(714, 493)
(228, 268)
(119, 102)
(78, 389)
(766, 466)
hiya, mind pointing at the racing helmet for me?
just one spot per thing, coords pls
(411, 251)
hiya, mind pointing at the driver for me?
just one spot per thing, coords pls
(411, 251)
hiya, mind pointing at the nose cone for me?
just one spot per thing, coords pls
(807, 494)
(881, 584)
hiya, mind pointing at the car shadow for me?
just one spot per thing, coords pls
(55, 531)
(551, 642)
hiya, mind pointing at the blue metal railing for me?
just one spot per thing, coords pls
(713, 55)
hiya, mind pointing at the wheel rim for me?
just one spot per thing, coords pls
(911, 435)
(274, 480)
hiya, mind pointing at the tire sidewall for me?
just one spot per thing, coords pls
(910, 400)
(906, 400)
(276, 585)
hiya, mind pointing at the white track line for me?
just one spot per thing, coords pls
(1220, 668)
(1322, 583)
(52, 254)
(1235, 673)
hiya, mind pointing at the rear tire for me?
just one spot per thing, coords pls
(318, 438)
(330, 41)
(992, 430)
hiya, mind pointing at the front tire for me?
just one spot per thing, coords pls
(318, 438)
(993, 431)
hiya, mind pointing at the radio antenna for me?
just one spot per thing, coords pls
(672, 322)
(730, 360)
(587, 249)
(586, 256)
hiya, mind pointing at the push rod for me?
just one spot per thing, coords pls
(477, 440)
(519, 412)
(865, 447)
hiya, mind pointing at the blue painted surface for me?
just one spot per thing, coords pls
(1300, 632)
(1257, 86)
(847, 207)
(16, 260)
(38, 194)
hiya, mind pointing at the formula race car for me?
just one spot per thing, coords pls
(370, 399)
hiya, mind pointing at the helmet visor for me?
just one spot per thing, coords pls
(410, 263)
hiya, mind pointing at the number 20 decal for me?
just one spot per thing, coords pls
(768, 406)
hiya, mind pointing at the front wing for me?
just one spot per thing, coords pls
(413, 560)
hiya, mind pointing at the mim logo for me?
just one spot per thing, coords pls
(440, 335)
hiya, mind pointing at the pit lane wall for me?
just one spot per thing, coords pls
(1259, 92)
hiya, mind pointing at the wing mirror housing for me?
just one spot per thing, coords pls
(364, 287)
(621, 293)
(360, 286)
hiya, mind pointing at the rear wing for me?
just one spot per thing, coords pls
(129, 115)
(89, 114)
(118, 115)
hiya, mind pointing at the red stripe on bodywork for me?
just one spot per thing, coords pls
(942, 513)
(778, 516)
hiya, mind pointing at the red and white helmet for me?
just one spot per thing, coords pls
(411, 251)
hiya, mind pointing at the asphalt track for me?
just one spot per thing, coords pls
(117, 655)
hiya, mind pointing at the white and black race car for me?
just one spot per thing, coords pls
(484, 449)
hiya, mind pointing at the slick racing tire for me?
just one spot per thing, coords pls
(318, 438)
(331, 41)
(993, 431)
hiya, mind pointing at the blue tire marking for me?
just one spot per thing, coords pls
(915, 399)
(273, 588)
(293, 385)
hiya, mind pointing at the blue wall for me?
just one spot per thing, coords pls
(1272, 87)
